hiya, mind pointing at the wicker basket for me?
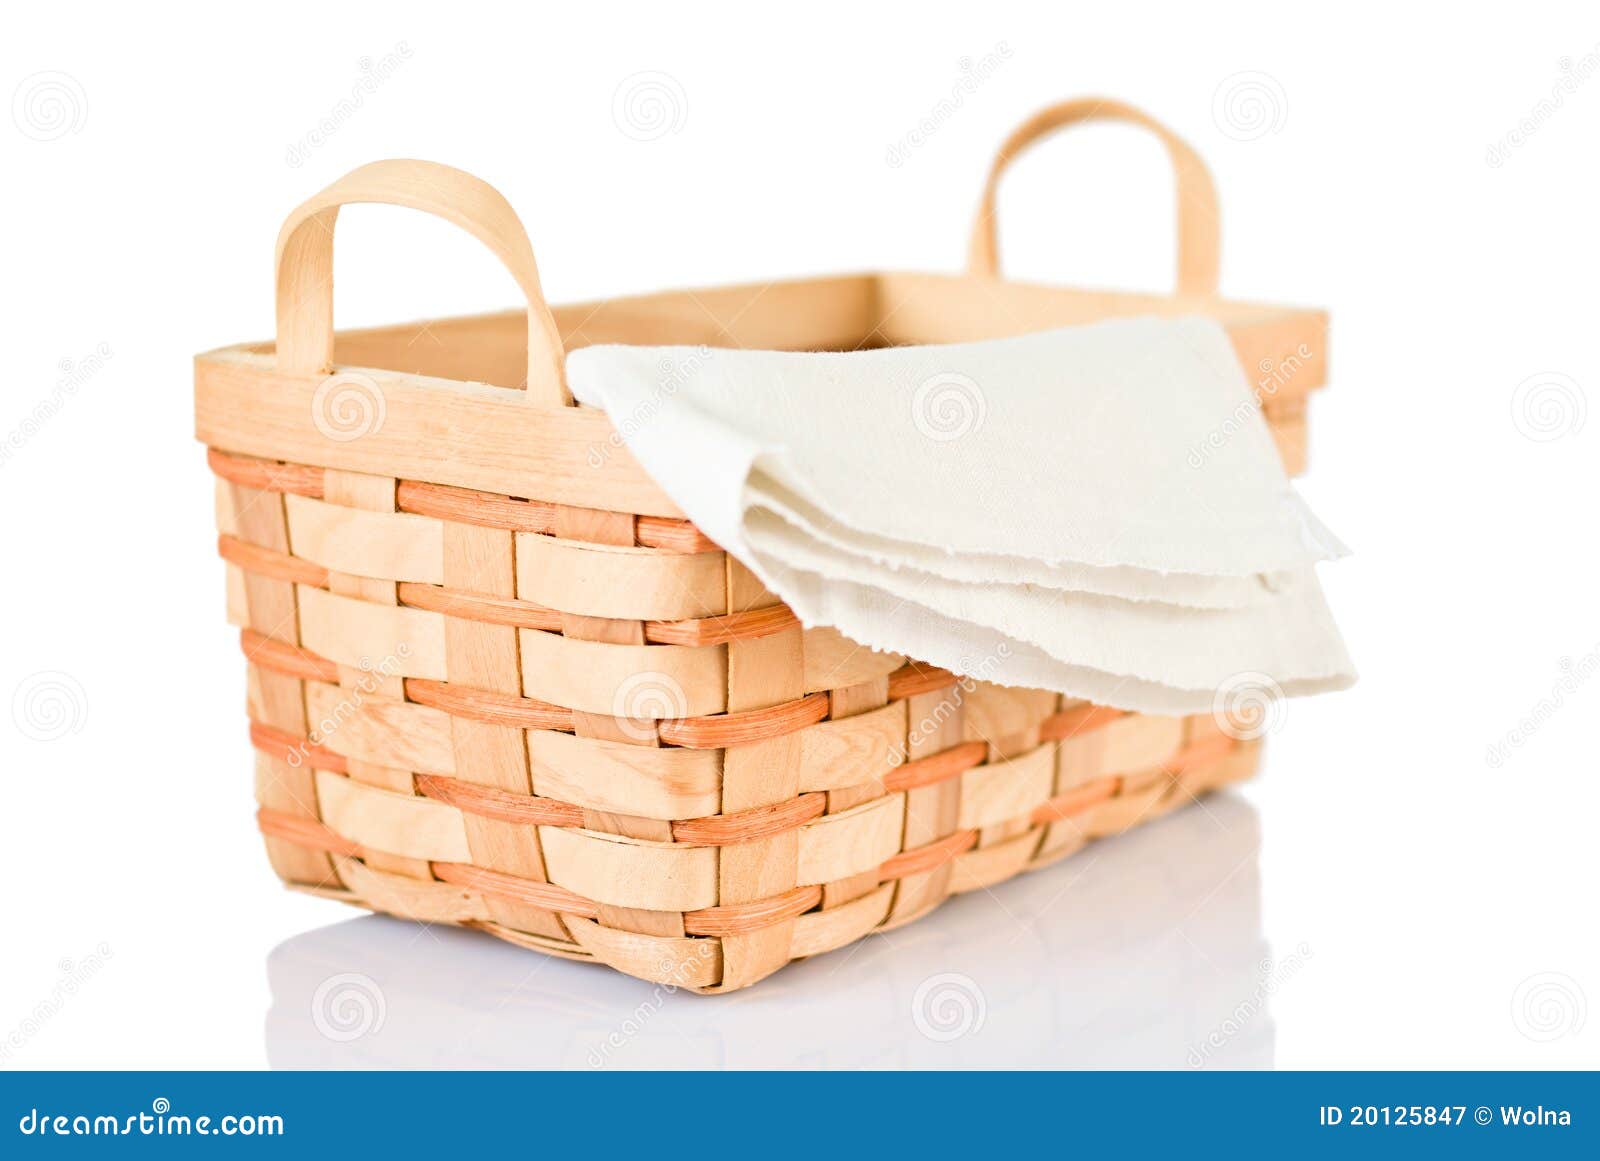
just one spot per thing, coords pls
(496, 679)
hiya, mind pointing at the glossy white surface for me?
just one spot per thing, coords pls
(1140, 954)
(1445, 894)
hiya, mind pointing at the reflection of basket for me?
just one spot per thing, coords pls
(1153, 959)
(496, 679)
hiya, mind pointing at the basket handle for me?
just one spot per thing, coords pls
(305, 261)
(1197, 196)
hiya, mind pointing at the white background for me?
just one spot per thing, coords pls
(1408, 902)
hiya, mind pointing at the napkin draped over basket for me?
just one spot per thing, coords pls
(1025, 510)
(869, 589)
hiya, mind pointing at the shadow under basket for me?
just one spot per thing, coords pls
(496, 679)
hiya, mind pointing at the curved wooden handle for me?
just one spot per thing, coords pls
(1197, 197)
(305, 261)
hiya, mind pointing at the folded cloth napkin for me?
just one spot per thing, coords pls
(1028, 511)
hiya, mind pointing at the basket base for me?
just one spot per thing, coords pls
(695, 964)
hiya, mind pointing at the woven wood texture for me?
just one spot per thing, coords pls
(496, 680)
(631, 753)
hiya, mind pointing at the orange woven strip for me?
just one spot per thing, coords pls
(474, 607)
(709, 732)
(1076, 801)
(672, 535)
(743, 918)
(936, 767)
(483, 508)
(523, 809)
(286, 658)
(748, 825)
(1078, 720)
(736, 919)
(1200, 754)
(269, 562)
(547, 896)
(267, 475)
(914, 677)
(717, 830)
(716, 731)
(928, 858)
(467, 506)
(722, 629)
(732, 919)
(501, 709)
(527, 615)
(305, 832)
(491, 510)
(295, 751)
(721, 830)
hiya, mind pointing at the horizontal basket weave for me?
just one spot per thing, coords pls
(496, 679)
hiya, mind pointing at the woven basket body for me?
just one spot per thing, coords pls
(496, 679)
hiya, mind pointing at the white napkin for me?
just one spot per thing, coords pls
(1029, 511)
